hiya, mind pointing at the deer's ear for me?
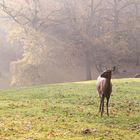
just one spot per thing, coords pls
(105, 68)
(113, 68)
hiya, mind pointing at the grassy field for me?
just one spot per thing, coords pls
(70, 112)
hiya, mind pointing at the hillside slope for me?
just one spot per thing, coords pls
(70, 111)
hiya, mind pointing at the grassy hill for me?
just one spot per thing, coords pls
(70, 111)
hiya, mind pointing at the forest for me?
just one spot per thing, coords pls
(54, 41)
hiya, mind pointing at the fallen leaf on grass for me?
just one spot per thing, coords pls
(50, 134)
(86, 131)
(30, 138)
(136, 127)
(27, 127)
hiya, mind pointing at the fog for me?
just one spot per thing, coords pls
(54, 41)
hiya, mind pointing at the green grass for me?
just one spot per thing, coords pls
(65, 111)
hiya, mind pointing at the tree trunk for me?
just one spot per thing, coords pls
(136, 32)
(116, 20)
(137, 59)
(88, 66)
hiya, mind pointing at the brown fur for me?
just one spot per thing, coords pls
(137, 76)
(104, 88)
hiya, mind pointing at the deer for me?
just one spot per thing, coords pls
(104, 88)
(137, 76)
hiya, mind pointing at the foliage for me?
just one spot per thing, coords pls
(25, 69)
(88, 31)
(70, 111)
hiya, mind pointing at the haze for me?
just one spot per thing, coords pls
(54, 41)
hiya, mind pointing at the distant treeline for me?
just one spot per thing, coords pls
(66, 40)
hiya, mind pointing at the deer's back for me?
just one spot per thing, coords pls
(102, 86)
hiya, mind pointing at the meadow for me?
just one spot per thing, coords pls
(70, 112)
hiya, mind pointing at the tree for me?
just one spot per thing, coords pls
(27, 33)
(89, 35)
(81, 23)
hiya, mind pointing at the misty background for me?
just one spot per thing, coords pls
(53, 41)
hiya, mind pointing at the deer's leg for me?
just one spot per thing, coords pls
(102, 105)
(107, 103)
